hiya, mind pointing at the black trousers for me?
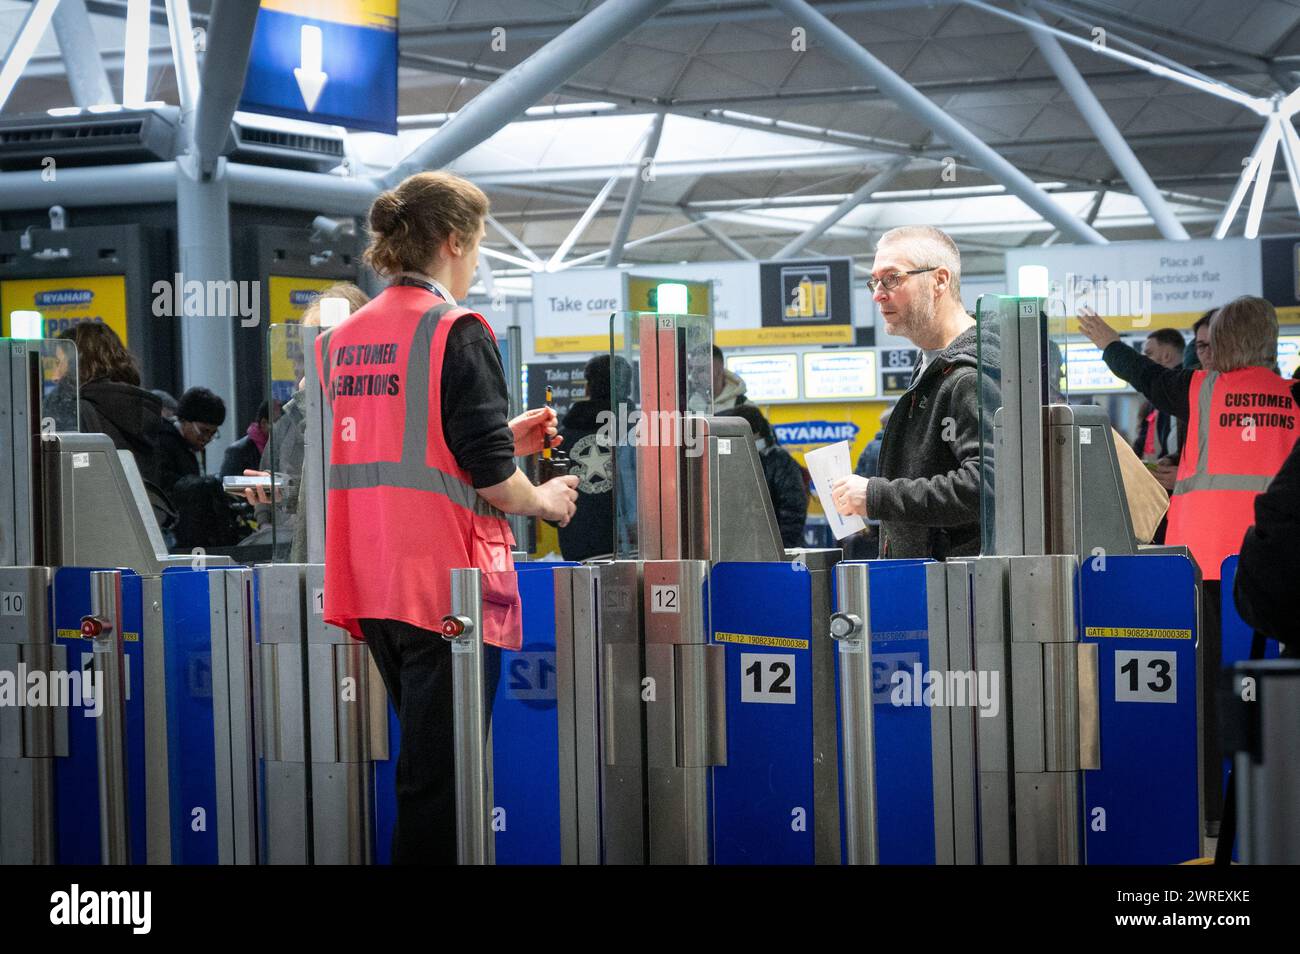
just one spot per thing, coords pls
(415, 665)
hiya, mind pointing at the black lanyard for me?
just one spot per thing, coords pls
(417, 283)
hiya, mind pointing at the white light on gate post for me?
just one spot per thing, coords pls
(1032, 281)
(26, 324)
(333, 311)
(671, 299)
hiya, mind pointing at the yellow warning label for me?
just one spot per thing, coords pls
(1135, 632)
(775, 642)
(76, 634)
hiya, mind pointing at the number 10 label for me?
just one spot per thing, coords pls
(1146, 676)
(767, 677)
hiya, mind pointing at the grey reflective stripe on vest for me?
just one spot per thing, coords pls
(409, 477)
(1205, 406)
(411, 472)
(1256, 483)
(1201, 479)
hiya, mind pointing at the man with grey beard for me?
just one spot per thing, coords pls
(927, 494)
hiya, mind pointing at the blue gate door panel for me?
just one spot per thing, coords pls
(526, 734)
(191, 737)
(525, 739)
(76, 777)
(1142, 805)
(900, 631)
(763, 798)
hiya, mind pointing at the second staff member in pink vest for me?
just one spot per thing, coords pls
(422, 475)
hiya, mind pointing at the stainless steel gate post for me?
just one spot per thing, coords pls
(952, 657)
(685, 703)
(475, 844)
(30, 738)
(851, 629)
(282, 735)
(104, 627)
(577, 653)
(993, 730)
(1056, 732)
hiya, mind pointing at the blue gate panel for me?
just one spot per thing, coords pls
(525, 732)
(191, 736)
(763, 798)
(900, 631)
(1142, 805)
(76, 777)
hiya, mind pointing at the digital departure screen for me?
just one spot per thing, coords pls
(839, 375)
(1288, 354)
(1086, 372)
(768, 377)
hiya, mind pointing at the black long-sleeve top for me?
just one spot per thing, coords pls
(1165, 388)
(476, 404)
(1270, 557)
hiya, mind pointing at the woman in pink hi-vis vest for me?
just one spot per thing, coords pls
(422, 476)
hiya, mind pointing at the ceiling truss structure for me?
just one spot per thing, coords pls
(634, 211)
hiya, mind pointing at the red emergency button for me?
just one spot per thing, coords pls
(452, 627)
(91, 627)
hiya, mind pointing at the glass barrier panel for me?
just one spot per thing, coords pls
(60, 391)
(680, 349)
(274, 532)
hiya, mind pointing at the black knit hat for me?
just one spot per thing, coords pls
(202, 407)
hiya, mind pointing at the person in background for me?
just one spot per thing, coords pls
(284, 452)
(199, 416)
(1160, 434)
(246, 453)
(591, 531)
(783, 475)
(1242, 424)
(927, 496)
(1197, 354)
(110, 399)
(865, 545)
(728, 387)
(169, 403)
(1156, 439)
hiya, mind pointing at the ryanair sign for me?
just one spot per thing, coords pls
(807, 433)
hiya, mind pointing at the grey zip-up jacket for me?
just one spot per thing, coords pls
(927, 496)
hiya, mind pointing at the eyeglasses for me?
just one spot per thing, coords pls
(890, 282)
(206, 432)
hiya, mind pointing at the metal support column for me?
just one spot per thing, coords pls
(848, 51)
(527, 83)
(632, 201)
(876, 183)
(1111, 139)
(81, 59)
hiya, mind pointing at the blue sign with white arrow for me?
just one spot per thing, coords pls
(336, 67)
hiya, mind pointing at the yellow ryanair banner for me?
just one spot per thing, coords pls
(64, 302)
(289, 298)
